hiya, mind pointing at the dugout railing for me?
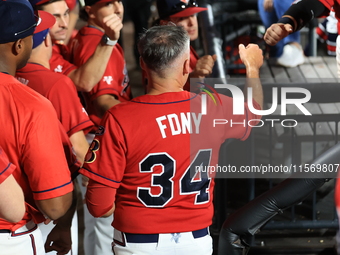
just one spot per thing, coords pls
(274, 145)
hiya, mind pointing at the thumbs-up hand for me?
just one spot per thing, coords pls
(277, 32)
(251, 56)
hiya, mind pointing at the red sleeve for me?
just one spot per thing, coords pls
(238, 125)
(328, 3)
(71, 113)
(105, 162)
(6, 168)
(110, 82)
(43, 157)
(99, 198)
(253, 118)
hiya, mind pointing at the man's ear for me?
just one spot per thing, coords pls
(186, 66)
(89, 12)
(163, 22)
(47, 40)
(142, 63)
(18, 47)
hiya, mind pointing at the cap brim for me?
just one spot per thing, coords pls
(188, 12)
(46, 20)
(97, 2)
(38, 2)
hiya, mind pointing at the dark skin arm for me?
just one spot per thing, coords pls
(296, 17)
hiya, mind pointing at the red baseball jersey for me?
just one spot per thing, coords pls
(62, 93)
(6, 167)
(332, 4)
(59, 62)
(335, 4)
(115, 80)
(152, 166)
(30, 136)
(193, 59)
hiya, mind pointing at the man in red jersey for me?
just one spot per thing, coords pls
(114, 87)
(89, 73)
(184, 13)
(62, 93)
(30, 137)
(159, 207)
(12, 202)
(57, 88)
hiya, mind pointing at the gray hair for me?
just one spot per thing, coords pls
(159, 46)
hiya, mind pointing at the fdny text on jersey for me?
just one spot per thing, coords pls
(184, 123)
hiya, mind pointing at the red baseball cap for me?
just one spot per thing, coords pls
(45, 21)
(177, 8)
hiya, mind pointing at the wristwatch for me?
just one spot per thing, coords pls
(107, 41)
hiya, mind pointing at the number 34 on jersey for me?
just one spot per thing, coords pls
(189, 182)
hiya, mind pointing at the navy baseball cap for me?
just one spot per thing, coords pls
(17, 20)
(93, 2)
(37, 2)
(177, 8)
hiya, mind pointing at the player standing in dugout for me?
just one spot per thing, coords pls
(294, 19)
(143, 175)
(29, 134)
(184, 13)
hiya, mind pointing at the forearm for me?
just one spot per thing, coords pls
(92, 71)
(55, 208)
(300, 13)
(12, 203)
(100, 199)
(104, 103)
(80, 145)
(65, 221)
(253, 81)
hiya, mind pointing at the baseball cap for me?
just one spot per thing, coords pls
(92, 2)
(17, 20)
(45, 21)
(38, 2)
(70, 3)
(177, 8)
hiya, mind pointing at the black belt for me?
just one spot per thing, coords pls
(5, 231)
(153, 238)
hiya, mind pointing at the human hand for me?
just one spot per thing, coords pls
(251, 56)
(59, 240)
(47, 221)
(268, 5)
(84, 181)
(277, 32)
(204, 66)
(112, 25)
